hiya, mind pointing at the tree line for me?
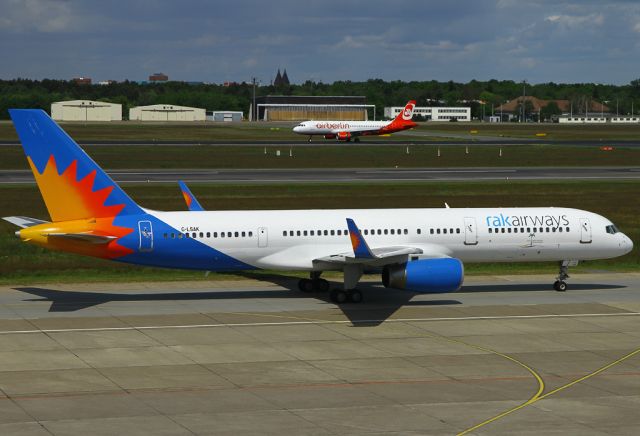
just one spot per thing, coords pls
(25, 93)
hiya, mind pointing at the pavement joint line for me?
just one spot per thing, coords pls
(318, 322)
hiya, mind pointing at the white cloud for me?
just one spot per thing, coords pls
(573, 21)
(46, 16)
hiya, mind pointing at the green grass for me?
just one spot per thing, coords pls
(271, 131)
(342, 156)
(22, 263)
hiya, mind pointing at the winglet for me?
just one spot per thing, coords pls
(191, 201)
(360, 247)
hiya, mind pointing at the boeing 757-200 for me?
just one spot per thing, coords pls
(420, 250)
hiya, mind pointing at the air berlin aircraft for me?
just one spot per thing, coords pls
(346, 130)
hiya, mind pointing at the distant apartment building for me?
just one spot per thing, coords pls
(158, 77)
(433, 113)
(82, 80)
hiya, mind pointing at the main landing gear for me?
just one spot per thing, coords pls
(314, 283)
(340, 296)
(347, 294)
(560, 285)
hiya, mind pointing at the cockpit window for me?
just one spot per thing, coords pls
(612, 229)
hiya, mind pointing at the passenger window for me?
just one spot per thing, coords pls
(393, 232)
(165, 236)
(386, 232)
(326, 232)
(222, 234)
(201, 235)
(503, 230)
(298, 232)
(490, 230)
(244, 234)
(236, 234)
(528, 229)
(567, 229)
(560, 229)
(451, 231)
(430, 231)
(515, 230)
(438, 231)
(312, 232)
(333, 232)
(250, 234)
(229, 234)
(284, 233)
(366, 232)
(215, 234)
(304, 232)
(379, 231)
(180, 235)
(509, 230)
(186, 235)
(444, 231)
(208, 234)
(406, 231)
(553, 229)
(173, 235)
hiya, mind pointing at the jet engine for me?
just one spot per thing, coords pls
(425, 276)
(330, 136)
(344, 136)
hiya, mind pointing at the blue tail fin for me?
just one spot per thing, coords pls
(189, 198)
(72, 185)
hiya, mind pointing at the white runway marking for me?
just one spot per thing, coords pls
(318, 322)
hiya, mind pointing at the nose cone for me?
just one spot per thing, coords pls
(627, 244)
(297, 129)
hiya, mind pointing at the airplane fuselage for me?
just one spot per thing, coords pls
(296, 239)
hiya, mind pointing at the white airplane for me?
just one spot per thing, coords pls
(346, 130)
(420, 250)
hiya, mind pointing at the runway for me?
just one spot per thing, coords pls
(352, 174)
(504, 355)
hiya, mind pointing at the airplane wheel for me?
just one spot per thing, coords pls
(305, 285)
(560, 286)
(322, 285)
(355, 296)
(339, 296)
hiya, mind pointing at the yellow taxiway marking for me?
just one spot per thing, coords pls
(539, 397)
(304, 321)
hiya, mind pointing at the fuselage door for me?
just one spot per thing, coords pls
(585, 231)
(470, 231)
(146, 235)
(263, 237)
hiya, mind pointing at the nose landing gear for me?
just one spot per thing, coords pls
(560, 285)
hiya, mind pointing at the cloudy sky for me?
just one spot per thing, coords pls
(216, 41)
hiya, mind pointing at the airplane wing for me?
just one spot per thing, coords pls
(362, 254)
(189, 198)
(23, 221)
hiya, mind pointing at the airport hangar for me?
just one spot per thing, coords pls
(86, 110)
(166, 112)
(301, 108)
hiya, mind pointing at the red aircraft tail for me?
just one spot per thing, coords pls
(403, 120)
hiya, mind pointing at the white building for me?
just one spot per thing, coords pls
(166, 112)
(86, 110)
(433, 113)
(225, 116)
(582, 120)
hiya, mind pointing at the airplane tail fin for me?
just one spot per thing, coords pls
(403, 120)
(189, 198)
(72, 185)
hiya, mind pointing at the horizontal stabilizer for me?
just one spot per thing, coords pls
(23, 221)
(85, 237)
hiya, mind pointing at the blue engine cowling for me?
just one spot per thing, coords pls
(426, 275)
